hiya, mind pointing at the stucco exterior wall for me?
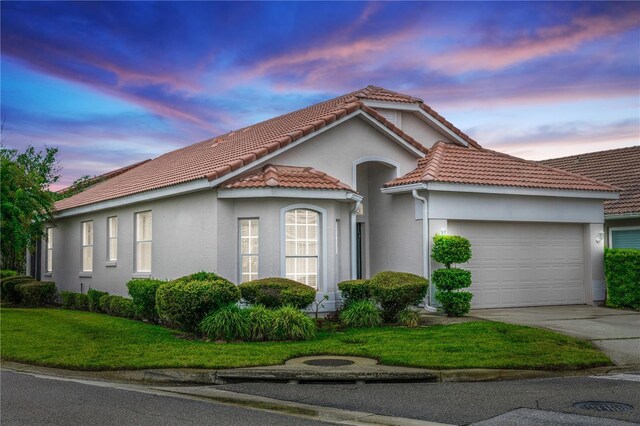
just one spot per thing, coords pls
(420, 130)
(184, 235)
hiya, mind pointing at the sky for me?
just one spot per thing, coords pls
(113, 83)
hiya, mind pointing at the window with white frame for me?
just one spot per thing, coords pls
(249, 249)
(49, 259)
(143, 241)
(112, 238)
(87, 246)
(302, 246)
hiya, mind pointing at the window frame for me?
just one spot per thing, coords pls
(136, 242)
(48, 260)
(112, 240)
(242, 255)
(83, 237)
(619, 228)
(322, 244)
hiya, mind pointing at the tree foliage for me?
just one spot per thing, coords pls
(26, 203)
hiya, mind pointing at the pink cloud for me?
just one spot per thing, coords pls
(547, 41)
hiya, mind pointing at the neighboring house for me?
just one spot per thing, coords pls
(620, 168)
(342, 189)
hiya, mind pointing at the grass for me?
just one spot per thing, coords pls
(89, 341)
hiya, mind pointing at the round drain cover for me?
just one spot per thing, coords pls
(610, 407)
(328, 362)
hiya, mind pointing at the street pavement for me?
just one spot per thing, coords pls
(465, 403)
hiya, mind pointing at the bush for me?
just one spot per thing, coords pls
(199, 276)
(37, 293)
(228, 323)
(8, 288)
(143, 294)
(94, 299)
(361, 313)
(117, 306)
(408, 318)
(81, 302)
(455, 303)
(354, 291)
(184, 304)
(395, 291)
(622, 271)
(68, 299)
(277, 292)
(260, 323)
(451, 279)
(6, 273)
(290, 323)
(450, 249)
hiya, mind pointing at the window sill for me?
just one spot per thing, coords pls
(141, 275)
(48, 274)
(111, 264)
(85, 274)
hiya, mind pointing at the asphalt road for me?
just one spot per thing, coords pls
(28, 400)
(465, 403)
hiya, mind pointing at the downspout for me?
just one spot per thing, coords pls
(425, 247)
(354, 267)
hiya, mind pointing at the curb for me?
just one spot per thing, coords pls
(187, 376)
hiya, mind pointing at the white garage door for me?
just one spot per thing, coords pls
(524, 264)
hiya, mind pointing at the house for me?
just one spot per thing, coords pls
(620, 168)
(339, 190)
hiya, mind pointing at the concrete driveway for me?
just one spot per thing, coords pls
(615, 332)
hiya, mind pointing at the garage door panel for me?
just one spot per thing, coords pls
(524, 264)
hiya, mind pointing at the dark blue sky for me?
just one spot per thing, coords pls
(112, 83)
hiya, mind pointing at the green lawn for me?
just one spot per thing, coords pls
(88, 341)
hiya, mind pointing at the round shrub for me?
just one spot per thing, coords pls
(8, 288)
(450, 249)
(361, 313)
(37, 293)
(354, 290)
(94, 299)
(277, 292)
(227, 323)
(184, 304)
(143, 295)
(81, 302)
(455, 303)
(290, 323)
(408, 318)
(199, 276)
(68, 299)
(260, 323)
(451, 279)
(117, 306)
(395, 291)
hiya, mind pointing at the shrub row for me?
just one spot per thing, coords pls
(395, 292)
(257, 323)
(622, 273)
(25, 290)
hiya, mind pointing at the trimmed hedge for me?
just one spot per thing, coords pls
(73, 300)
(37, 293)
(184, 304)
(8, 287)
(622, 272)
(450, 249)
(277, 292)
(199, 276)
(354, 291)
(451, 279)
(143, 294)
(396, 291)
(117, 306)
(94, 299)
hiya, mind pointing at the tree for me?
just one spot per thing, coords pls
(26, 203)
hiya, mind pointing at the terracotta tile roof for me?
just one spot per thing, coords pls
(214, 158)
(618, 167)
(97, 179)
(448, 163)
(272, 176)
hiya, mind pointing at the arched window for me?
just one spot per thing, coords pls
(302, 246)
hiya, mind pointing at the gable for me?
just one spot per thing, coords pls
(418, 128)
